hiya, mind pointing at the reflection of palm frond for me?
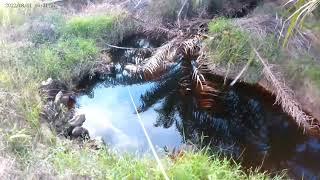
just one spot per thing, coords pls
(167, 111)
(166, 84)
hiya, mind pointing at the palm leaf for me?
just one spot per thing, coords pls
(304, 8)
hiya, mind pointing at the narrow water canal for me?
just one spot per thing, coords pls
(245, 123)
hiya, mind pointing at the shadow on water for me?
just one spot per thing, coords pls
(244, 124)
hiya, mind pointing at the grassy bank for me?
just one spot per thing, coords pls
(231, 48)
(65, 47)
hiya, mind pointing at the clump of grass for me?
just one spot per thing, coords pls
(63, 59)
(313, 72)
(104, 164)
(90, 27)
(230, 44)
(47, 28)
(108, 27)
(231, 48)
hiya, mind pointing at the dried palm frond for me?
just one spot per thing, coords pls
(191, 47)
(284, 96)
(198, 77)
(157, 60)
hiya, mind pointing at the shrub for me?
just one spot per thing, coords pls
(230, 44)
(104, 164)
(313, 72)
(62, 59)
(47, 28)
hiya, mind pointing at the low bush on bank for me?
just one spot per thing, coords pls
(304, 68)
(106, 27)
(229, 44)
(62, 60)
(90, 27)
(231, 47)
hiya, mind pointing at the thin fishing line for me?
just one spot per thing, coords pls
(148, 138)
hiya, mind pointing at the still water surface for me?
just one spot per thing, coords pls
(244, 124)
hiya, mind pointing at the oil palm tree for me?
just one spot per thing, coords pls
(302, 8)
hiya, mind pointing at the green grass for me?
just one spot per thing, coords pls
(230, 44)
(90, 27)
(61, 60)
(110, 27)
(104, 164)
(231, 48)
(314, 74)
(35, 150)
(304, 68)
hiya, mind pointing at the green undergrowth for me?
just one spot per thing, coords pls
(104, 164)
(52, 47)
(229, 43)
(36, 152)
(304, 68)
(231, 47)
(108, 28)
(90, 27)
(68, 57)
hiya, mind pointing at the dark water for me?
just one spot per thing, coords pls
(249, 126)
(244, 124)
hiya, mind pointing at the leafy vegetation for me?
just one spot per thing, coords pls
(104, 164)
(68, 46)
(229, 44)
(62, 59)
(301, 10)
(305, 68)
(90, 27)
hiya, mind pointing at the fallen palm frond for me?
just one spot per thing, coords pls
(162, 54)
(198, 77)
(284, 97)
(187, 48)
(242, 71)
